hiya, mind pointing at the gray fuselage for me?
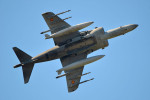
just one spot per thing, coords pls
(87, 42)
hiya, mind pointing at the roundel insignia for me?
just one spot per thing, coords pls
(51, 19)
(72, 81)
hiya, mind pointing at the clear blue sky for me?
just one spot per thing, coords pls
(123, 74)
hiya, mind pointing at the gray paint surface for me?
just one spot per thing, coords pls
(69, 48)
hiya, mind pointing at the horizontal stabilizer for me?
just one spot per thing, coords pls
(18, 65)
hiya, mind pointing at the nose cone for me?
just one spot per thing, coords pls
(88, 23)
(130, 27)
(135, 25)
(91, 22)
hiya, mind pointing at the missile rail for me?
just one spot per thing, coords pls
(72, 78)
(81, 82)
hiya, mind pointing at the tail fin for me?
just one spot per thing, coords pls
(27, 70)
(26, 63)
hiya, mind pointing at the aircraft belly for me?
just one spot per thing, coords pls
(79, 46)
(71, 47)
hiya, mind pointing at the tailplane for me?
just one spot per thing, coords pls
(26, 63)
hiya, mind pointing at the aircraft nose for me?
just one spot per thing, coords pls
(131, 27)
(135, 25)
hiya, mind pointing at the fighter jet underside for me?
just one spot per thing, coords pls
(71, 47)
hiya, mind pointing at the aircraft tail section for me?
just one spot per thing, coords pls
(26, 63)
(27, 70)
(22, 56)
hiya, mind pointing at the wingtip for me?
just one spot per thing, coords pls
(72, 89)
(14, 48)
(25, 82)
(103, 55)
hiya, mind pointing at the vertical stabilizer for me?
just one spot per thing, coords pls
(26, 63)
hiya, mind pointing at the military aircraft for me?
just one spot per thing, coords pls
(71, 47)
